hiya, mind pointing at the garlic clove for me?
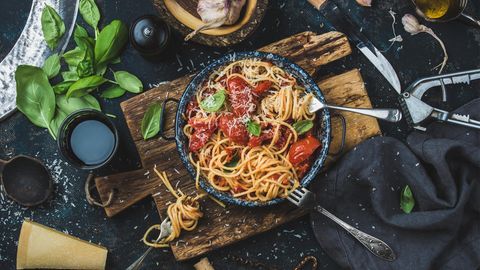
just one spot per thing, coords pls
(365, 3)
(411, 24)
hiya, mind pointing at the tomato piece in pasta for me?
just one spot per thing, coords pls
(241, 97)
(262, 87)
(203, 128)
(233, 128)
(301, 150)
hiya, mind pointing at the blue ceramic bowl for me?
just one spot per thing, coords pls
(303, 78)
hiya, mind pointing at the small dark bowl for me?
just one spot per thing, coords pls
(303, 78)
(66, 129)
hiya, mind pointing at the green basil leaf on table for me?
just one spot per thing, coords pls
(70, 76)
(52, 65)
(70, 105)
(81, 32)
(254, 128)
(110, 42)
(151, 121)
(57, 121)
(302, 126)
(35, 97)
(84, 85)
(407, 202)
(53, 27)
(128, 81)
(117, 60)
(61, 88)
(213, 102)
(113, 92)
(73, 57)
(90, 13)
(85, 69)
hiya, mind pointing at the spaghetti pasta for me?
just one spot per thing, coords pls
(250, 145)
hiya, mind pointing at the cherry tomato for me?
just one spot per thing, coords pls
(233, 128)
(192, 108)
(258, 140)
(241, 97)
(203, 128)
(262, 87)
(302, 150)
(302, 168)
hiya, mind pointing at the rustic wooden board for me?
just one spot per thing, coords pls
(182, 14)
(223, 226)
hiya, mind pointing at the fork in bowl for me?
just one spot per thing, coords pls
(303, 198)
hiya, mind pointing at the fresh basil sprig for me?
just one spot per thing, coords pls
(302, 126)
(110, 42)
(62, 88)
(90, 13)
(128, 81)
(53, 27)
(113, 92)
(254, 128)
(52, 65)
(35, 97)
(407, 202)
(85, 85)
(151, 121)
(213, 102)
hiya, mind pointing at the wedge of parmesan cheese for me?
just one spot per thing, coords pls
(41, 247)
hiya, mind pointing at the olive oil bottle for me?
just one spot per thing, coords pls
(434, 9)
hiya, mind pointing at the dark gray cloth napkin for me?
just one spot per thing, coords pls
(442, 167)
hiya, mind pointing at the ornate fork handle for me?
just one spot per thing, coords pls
(375, 245)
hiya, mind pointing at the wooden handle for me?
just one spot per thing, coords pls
(128, 188)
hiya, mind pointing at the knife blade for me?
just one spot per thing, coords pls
(342, 23)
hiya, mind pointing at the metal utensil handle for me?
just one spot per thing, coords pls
(138, 263)
(471, 124)
(390, 115)
(469, 19)
(373, 244)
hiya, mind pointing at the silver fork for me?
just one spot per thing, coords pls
(165, 230)
(304, 198)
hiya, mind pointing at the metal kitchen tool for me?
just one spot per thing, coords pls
(342, 23)
(303, 198)
(31, 48)
(390, 115)
(26, 180)
(417, 111)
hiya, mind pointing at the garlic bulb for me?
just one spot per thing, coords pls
(365, 3)
(412, 26)
(215, 13)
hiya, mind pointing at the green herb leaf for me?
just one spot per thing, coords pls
(84, 85)
(85, 69)
(81, 32)
(70, 76)
(303, 126)
(70, 105)
(73, 57)
(151, 121)
(128, 81)
(254, 128)
(35, 97)
(56, 122)
(113, 92)
(213, 102)
(90, 13)
(407, 202)
(52, 65)
(110, 42)
(53, 27)
(117, 60)
(62, 87)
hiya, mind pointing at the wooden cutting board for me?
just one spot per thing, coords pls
(223, 226)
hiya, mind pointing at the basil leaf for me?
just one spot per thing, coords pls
(81, 32)
(213, 102)
(56, 122)
(84, 85)
(302, 126)
(254, 128)
(128, 81)
(35, 97)
(52, 65)
(113, 92)
(151, 121)
(70, 76)
(90, 12)
(110, 42)
(117, 60)
(62, 87)
(73, 57)
(53, 27)
(407, 202)
(70, 105)
(85, 69)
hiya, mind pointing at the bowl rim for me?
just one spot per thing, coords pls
(278, 60)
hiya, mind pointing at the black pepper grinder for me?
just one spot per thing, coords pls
(151, 37)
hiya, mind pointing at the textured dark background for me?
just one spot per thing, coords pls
(68, 211)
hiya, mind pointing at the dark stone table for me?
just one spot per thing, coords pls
(283, 247)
